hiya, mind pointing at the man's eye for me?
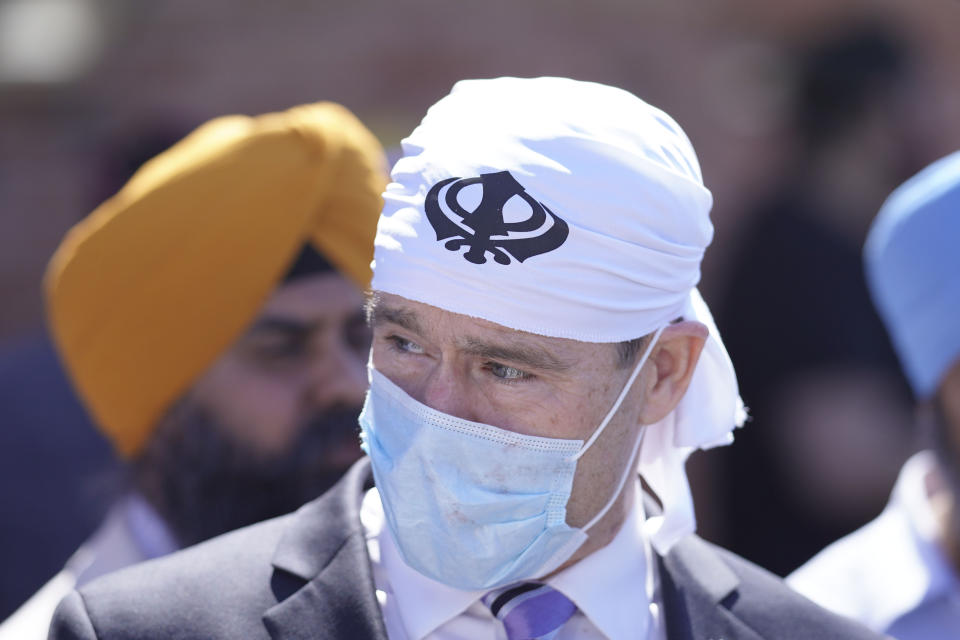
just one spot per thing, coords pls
(280, 351)
(402, 344)
(504, 372)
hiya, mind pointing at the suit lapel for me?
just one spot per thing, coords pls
(696, 587)
(322, 575)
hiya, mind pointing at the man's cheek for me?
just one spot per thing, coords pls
(263, 416)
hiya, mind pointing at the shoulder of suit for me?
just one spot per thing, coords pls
(765, 603)
(221, 586)
(32, 619)
(210, 561)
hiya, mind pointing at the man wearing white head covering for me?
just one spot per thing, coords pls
(900, 573)
(538, 338)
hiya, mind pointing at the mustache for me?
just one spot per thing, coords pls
(317, 451)
(330, 428)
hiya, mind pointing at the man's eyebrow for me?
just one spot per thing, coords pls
(378, 313)
(523, 355)
(279, 324)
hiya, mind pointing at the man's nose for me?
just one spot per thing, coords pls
(339, 378)
(446, 391)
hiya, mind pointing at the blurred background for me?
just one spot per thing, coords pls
(804, 115)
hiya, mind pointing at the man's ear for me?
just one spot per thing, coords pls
(671, 367)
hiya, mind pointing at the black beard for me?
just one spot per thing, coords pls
(203, 483)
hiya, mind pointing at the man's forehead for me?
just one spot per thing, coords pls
(311, 297)
(401, 310)
(423, 318)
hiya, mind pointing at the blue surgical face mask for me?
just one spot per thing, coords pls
(469, 504)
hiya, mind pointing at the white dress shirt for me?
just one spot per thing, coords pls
(614, 588)
(891, 574)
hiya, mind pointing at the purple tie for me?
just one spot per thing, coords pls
(530, 611)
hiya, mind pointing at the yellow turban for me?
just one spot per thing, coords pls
(146, 292)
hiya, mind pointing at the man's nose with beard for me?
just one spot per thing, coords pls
(327, 445)
(204, 483)
(334, 436)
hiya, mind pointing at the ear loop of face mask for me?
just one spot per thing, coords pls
(606, 421)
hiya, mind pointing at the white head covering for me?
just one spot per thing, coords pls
(566, 209)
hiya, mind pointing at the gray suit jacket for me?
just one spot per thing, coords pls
(307, 575)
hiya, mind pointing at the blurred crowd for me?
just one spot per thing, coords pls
(805, 115)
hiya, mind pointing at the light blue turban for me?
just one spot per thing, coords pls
(912, 258)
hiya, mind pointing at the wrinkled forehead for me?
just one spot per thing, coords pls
(316, 296)
(477, 334)
(384, 307)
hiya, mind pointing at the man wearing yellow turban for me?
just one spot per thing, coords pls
(210, 317)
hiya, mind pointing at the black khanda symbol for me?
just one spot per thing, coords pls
(490, 232)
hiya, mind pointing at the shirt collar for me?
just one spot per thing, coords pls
(619, 609)
(911, 496)
(149, 531)
(918, 571)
